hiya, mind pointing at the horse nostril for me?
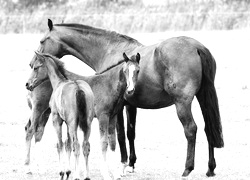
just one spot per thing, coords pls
(28, 86)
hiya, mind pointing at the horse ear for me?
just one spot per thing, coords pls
(39, 55)
(138, 57)
(125, 57)
(50, 24)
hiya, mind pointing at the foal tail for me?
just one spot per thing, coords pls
(208, 100)
(82, 109)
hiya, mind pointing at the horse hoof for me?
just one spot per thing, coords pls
(68, 173)
(61, 175)
(186, 173)
(210, 173)
(130, 169)
(87, 178)
(27, 162)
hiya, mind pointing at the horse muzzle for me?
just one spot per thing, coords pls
(130, 91)
(29, 86)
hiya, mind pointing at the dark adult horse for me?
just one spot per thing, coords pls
(172, 72)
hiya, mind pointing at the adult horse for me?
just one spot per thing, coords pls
(69, 92)
(172, 72)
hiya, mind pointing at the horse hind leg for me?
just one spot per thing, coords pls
(86, 151)
(75, 147)
(68, 149)
(57, 123)
(185, 115)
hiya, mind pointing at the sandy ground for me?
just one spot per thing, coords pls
(160, 141)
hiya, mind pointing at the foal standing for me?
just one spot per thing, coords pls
(108, 87)
(71, 102)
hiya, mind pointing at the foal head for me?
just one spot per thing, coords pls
(131, 72)
(40, 72)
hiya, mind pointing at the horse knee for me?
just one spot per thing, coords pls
(76, 148)
(59, 146)
(68, 147)
(190, 131)
(86, 148)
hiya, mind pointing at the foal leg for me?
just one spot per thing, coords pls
(75, 146)
(57, 123)
(103, 128)
(86, 151)
(68, 149)
(185, 115)
(131, 120)
(112, 145)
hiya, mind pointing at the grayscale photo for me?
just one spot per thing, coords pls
(125, 89)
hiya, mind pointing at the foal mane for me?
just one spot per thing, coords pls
(98, 32)
(60, 65)
(110, 67)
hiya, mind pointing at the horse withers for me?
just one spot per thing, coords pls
(109, 88)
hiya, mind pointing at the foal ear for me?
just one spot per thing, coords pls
(138, 57)
(125, 57)
(50, 24)
(39, 55)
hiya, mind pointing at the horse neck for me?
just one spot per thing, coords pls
(111, 75)
(97, 51)
(55, 76)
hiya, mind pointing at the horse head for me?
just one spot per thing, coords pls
(51, 43)
(39, 72)
(131, 72)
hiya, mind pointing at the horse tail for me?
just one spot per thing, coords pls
(82, 109)
(207, 98)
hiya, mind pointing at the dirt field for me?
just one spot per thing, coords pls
(160, 141)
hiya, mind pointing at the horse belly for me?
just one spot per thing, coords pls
(150, 98)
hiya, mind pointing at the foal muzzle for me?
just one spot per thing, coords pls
(29, 87)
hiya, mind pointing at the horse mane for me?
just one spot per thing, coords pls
(110, 67)
(98, 32)
(60, 65)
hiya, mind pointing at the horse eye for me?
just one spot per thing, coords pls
(35, 68)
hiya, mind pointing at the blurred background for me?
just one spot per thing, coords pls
(126, 16)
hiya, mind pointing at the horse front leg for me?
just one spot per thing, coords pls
(131, 122)
(122, 141)
(185, 115)
(103, 128)
(112, 144)
(41, 125)
(30, 129)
